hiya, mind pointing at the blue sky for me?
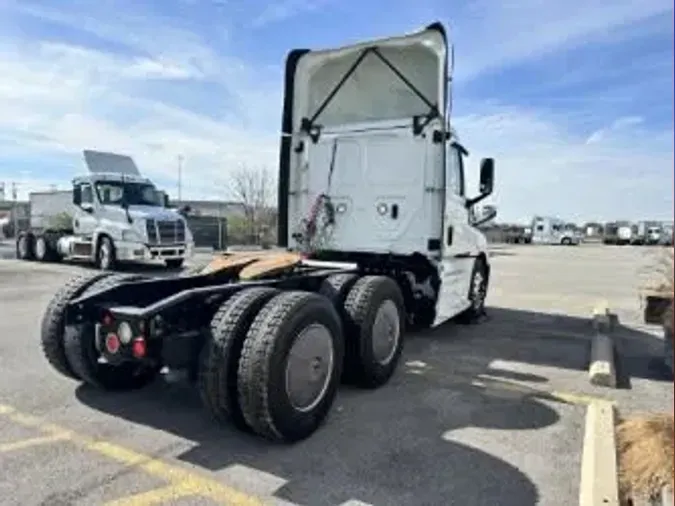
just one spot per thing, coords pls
(573, 98)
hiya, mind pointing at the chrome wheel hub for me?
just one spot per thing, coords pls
(386, 332)
(309, 367)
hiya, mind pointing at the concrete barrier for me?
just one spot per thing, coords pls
(601, 369)
(599, 478)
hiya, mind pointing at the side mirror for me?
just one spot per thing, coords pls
(166, 200)
(184, 210)
(487, 176)
(487, 213)
(77, 195)
(487, 180)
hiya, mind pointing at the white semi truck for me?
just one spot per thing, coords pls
(376, 223)
(113, 214)
(548, 230)
(646, 233)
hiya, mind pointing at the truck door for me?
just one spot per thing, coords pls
(457, 259)
(84, 222)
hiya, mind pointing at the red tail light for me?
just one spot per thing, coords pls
(139, 348)
(112, 343)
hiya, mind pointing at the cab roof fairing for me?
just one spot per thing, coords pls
(115, 177)
(304, 65)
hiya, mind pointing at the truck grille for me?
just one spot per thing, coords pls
(165, 231)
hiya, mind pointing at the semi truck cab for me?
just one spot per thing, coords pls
(117, 216)
(131, 213)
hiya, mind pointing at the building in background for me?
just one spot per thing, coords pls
(212, 208)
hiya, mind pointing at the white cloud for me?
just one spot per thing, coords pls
(624, 123)
(543, 167)
(58, 98)
(491, 35)
(275, 12)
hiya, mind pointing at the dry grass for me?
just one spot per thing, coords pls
(660, 273)
(645, 452)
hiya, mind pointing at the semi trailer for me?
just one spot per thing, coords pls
(376, 237)
(517, 234)
(112, 215)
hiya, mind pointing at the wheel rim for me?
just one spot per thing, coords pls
(40, 248)
(478, 290)
(105, 255)
(386, 332)
(309, 367)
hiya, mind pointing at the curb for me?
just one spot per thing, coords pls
(601, 369)
(599, 478)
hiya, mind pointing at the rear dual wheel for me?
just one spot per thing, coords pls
(25, 246)
(273, 363)
(372, 310)
(53, 329)
(374, 326)
(72, 350)
(45, 251)
(274, 359)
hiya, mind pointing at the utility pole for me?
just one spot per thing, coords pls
(15, 209)
(180, 178)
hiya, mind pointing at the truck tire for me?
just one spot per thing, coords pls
(217, 380)
(374, 332)
(53, 321)
(82, 355)
(106, 256)
(477, 293)
(290, 366)
(25, 243)
(335, 288)
(44, 251)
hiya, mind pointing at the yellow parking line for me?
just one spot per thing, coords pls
(155, 496)
(27, 443)
(176, 476)
(486, 381)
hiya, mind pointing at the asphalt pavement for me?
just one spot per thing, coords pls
(483, 414)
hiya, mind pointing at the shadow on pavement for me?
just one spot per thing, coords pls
(387, 446)
(383, 447)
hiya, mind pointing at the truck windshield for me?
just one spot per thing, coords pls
(133, 194)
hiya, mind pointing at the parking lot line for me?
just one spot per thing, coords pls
(27, 443)
(154, 496)
(180, 478)
(485, 381)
